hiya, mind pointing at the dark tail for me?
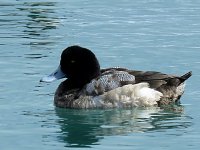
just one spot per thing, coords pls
(185, 76)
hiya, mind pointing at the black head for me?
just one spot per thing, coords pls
(79, 64)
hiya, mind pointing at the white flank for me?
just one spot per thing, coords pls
(130, 96)
(180, 89)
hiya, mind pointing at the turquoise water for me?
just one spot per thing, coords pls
(142, 34)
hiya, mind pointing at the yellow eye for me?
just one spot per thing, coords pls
(73, 61)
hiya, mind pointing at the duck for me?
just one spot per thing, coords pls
(88, 86)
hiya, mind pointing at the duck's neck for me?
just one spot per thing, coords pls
(85, 79)
(81, 79)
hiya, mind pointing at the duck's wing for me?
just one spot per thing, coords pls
(108, 80)
(157, 79)
(113, 68)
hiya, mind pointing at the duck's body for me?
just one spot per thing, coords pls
(137, 88)
(112, 87)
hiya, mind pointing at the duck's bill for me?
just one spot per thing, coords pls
(56, 75)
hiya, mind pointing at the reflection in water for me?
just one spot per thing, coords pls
(83, 128)
(41, 18)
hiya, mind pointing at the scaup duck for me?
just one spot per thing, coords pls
(88, 86)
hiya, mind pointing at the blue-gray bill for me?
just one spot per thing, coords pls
(56, 75)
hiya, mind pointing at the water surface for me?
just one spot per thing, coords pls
(143, 35)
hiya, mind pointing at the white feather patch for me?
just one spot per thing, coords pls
(180, 89)
(129, 96)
